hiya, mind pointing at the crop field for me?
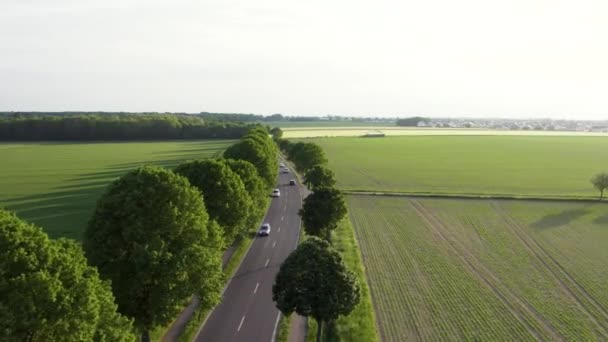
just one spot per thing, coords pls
(56, 185)
(481, 270)
(489, 165)
(354, 130)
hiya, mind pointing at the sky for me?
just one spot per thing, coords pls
(437, 58)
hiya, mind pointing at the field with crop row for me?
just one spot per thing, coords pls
(442, 269)
(490, 165)
(56, 185)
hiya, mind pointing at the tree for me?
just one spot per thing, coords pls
(600, 182)
(150, 235)
(319, 176)
(257, 154)
(277, 133)
(321, 212)
(49, 293)
(224, 194)
(306, 155)
(254, 185)
(313, 281)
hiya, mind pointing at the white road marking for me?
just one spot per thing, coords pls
(267, 261)
(276, 324)
(240, 325)
(285, 207)
(279, 229)
(282, 218)
(256, 288)
(274, 244)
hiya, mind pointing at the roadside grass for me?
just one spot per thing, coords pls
(57, 185)
(442, 269)
(469, 165)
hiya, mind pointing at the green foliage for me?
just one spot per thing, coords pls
(412, 122)
(254, 185)
(277, 133)
(115, 126)
(306, 155)
(600, 182)
(224, 194)
(321, 212)
(56, 185)
(319, 176)
(258, 149)
(314, 282)
(49, 293)
(151, 236)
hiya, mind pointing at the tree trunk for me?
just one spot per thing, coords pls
(145, 336)
(319, 330)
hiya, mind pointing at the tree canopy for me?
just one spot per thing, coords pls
(322, 211)
(254, 185)
(306, 155)
(151, 236)
(412, 122)
(600, 182)
(257, 148)
(49, 293)
(319, 176)
(314, 282)
(224, 194)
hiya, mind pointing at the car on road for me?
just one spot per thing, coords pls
(285, 170)
(282, 164)
(265, 230)
(276, 193)
(292, 182)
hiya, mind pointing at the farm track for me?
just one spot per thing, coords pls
(536, 325)
(568, 283)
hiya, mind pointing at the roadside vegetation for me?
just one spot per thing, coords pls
(315, 281)
(158, 236)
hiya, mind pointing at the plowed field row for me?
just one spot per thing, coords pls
(480, 270)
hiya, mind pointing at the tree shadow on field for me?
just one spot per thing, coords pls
(601, 220)
(65, 211)
(559, 219)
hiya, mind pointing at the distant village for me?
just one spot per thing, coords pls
(501, 124)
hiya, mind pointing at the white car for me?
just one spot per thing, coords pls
(276, 193)
(285, 170)
(282, 164)
(265, 230)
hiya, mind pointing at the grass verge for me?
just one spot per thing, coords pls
(360, 325)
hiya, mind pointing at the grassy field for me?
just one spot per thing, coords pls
(481, 270)
(491, 165)
(362, 129)
(56, 185)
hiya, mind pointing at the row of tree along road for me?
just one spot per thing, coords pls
(314, 281)
(156, 238)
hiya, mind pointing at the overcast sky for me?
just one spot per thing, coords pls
(480, 58)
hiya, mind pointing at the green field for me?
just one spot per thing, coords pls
(481, 270)
(354, 130)
(491, 165)
(56, 185)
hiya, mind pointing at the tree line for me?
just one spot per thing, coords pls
(115, 126)
(156, 238)
(314, 281)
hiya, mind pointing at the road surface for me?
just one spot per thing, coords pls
(247, 312)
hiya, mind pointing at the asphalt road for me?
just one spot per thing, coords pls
(247, 312)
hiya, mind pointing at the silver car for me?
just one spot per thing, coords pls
(265, 230)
